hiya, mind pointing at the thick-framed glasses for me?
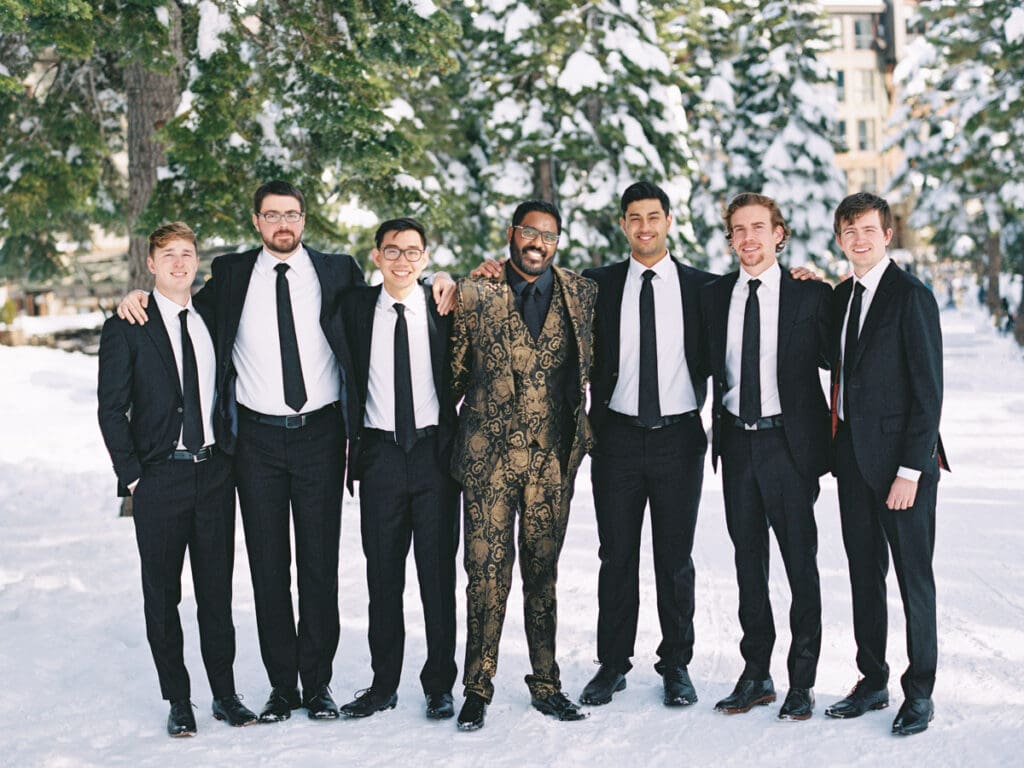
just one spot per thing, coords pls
(530, 233)
(292, 217)
(392, 253)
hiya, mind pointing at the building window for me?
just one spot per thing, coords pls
(864, 86)
(863, 33)
(870, 180)
(840, 86)
(841, 135)
(866, 135)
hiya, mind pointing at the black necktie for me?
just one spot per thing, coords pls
(750, 358)
(291, 367)
(405, 410)
(531, 308)
(192, 418)
(852, 334)
(648, 404)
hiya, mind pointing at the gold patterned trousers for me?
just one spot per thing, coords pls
(528, 481)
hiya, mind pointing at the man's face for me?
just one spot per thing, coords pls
(753, 237)
(864, 241)
(174, 266)
(281, 238)
(400, 274)
(532, 257)
(646, 226)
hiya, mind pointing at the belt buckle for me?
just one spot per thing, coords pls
(294, 422)
(750, 427)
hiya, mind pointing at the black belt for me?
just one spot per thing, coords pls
(767, 422)
(288, 422)
(663, 421)
(201, 455)
(390, 437)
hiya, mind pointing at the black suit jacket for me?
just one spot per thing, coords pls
(805, 315)
(894, 385)
(354, 318)
(611, 281)
(139, 394)
(223, 297)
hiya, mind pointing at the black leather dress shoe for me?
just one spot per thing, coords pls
(913, 717)
(679, 691)
(471, 718)
(231, 710)
(368, 702)
(746, 695)
(440, 706)
(280, 704)
(181, 721)
(320, 705)
(606, 683)
(559, 706)
(860, 700)
(799, 704)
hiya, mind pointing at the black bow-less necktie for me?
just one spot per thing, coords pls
(530, 306)
(648, 403)
(405, 407)
(750, 357)
(192, 417)
(291, 366)
(850, 348)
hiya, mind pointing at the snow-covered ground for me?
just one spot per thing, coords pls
(78, 687)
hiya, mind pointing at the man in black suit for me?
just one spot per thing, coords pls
(156, 412)
(403, 418)
(887, 388)
(646, 394)
(767, 336)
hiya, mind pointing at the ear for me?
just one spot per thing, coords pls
(149, 264)
(510, 232)
(256, 221)
(888, 236)
(377, 257)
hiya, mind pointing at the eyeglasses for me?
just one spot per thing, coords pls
(392, 253)
(274, 217)
(530, 233)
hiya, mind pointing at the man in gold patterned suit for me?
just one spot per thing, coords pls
(521, 354)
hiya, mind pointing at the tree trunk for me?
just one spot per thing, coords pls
(152, 97)
(1018, 325)
(994, 264)
(544, 180)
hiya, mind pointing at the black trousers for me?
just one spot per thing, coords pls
(178, 505)
(630, 468)
(870, 532)
(407, 498)
(278, 469)
(763, 488)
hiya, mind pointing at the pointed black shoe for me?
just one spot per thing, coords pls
(913, 717)
(181, 721)
(231, 710)
(559, 706)
(606, 683)
(368, 702)
(679, 691)
(746, 695)
(280, 704)
(440, 706)
(860, 700)
(471, 718)
(320, 705)
(799, 704)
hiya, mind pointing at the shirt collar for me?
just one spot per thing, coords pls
(873, 276)
(770, 278)
(415, 302)
(169, 308)
(664, 269)
(299, 261)
(542, 285)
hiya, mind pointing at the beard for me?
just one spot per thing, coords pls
(532, 268)
(283, 242)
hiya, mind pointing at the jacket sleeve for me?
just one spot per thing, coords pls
(922, 342)
(116, 366)
(460, 353)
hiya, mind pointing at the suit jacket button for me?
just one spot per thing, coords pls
(179, 410)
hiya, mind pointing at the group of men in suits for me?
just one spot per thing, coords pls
(290, 374)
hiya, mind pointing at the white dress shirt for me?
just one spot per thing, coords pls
(206, 365)
(257, 351)
(768, 302)
(380, 394)
(675, 389)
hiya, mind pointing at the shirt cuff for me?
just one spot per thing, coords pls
(913, 475)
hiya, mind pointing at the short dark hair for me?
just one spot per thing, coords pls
(402, 224)
(853, 206)
(744, 199)
(643, 190)
(541, 206)
(175, 230)
(277, 187)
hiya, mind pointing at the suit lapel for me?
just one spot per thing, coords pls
(157, 332)
(364, 337)
(789, 303)
(616, 286)
(720, 321)
(239, 277)
(689, 290)
(879, 303)
(438, 341)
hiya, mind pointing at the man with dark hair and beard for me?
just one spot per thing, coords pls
(521, 352)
